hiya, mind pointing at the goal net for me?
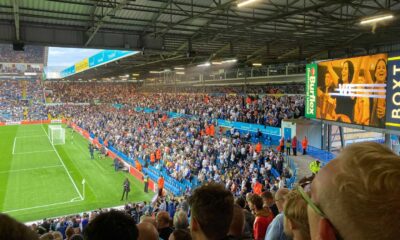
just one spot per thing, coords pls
(56, 134)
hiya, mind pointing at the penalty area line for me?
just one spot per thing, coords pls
(43, 206)
(33, 152)
(30, 169)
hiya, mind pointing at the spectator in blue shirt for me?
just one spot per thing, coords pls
(275, 229)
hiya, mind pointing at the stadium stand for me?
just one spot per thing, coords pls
(198, 112)
(21, 100)
(265, 110)
(31, 54)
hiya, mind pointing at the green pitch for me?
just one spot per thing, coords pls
(39, 180)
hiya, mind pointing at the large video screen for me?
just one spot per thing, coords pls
(351, 90)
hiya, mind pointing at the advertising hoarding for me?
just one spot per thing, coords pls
(311, 90)
(393, 93)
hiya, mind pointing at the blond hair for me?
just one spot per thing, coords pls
(295, 209)
(364, 201)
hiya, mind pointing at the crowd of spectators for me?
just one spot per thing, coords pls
(240, 90)
(182, 147)
(11, 105)
(31, 54)
(21, 99)
(352, 197)
(89, 92)
(239, 198)
(268, 110)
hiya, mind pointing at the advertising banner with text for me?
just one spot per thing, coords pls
(311, 90)
(393, 93)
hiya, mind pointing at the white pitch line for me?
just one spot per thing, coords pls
(69, 175)
(34, 152)
(29, 169)
(42, 206)
(14, 146)
(33, 136)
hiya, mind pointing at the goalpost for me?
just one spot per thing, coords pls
(56, 134)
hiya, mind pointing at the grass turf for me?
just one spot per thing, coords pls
(34, 179)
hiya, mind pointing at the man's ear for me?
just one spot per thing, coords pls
(326, 230)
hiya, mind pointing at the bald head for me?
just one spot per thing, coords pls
(147, 231)
(280, 198)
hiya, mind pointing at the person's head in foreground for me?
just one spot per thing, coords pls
(356, 195)
(295, 212)
(10, 229)
(212, 211)
(180, 234)
(236, 228)
(111, 225)
(147, 231)
(181, 220)
(280, 198)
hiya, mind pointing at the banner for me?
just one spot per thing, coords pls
(82, 65)
(352, 90)
(393, 93)
(311, 90)
(108, 56)
(67, 104)
(250, 127)
(67, 72)
(98, 59)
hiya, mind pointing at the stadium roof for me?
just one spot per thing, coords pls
(180, 32)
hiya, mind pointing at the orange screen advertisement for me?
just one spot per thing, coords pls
(353, 90)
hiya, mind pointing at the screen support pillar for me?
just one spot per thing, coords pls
(341, 136)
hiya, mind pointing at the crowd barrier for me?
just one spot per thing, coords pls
(250, 127)
(146, 110)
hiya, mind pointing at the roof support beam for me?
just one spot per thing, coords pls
(93, 30)
(211, 9)
(223, 48)
(221, 10)
(67, 36)
(16, 19)
(155, 17)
